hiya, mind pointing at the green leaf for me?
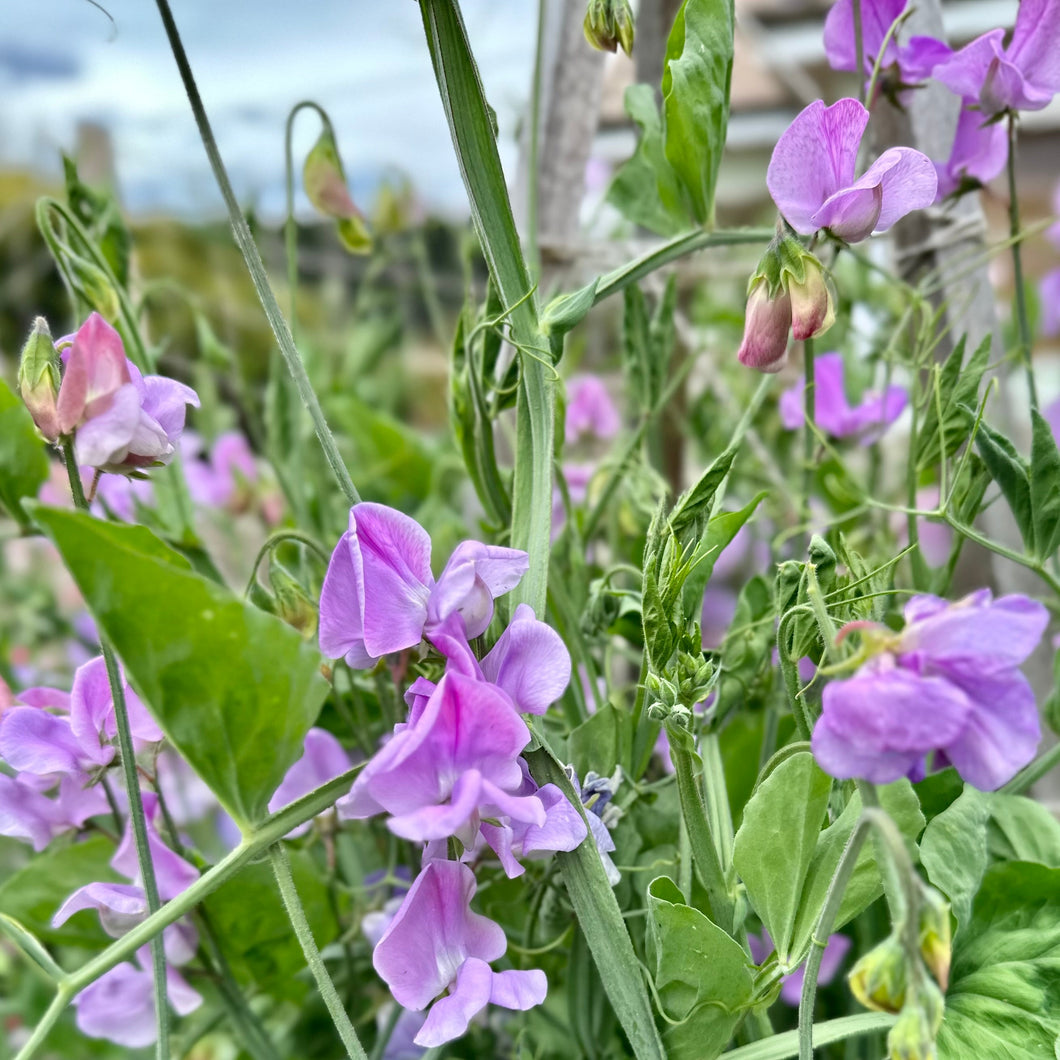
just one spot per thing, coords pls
(865, 886)
(645, 189)
(249, 919)
(1011, 473)
(23, 461)
(694, 506)
(234, 688)
(958, 394)
(953, 850)
(1004, 995)
(702, 976)
(777, 841)
(1022, 830)
(100, 215)
(695, 88)
(603, 741)
(566, 311)
(1045, 487)
(34, 893)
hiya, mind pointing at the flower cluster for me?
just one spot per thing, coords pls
(452, 771)
(947, 689)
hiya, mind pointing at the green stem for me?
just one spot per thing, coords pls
(704, 848)
(789, 670)
(810, 414)
(1017, 263)
(786, 1046)
(277, 539)
(534, 143)
(1034, 772)
(255, 266)
(716, 796)
(1008, 553)
(132, 787)
(281, 868)
(254, 843)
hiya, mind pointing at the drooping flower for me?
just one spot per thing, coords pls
(436, 943)
(979, 153)
(326, 189)
(1024, 75)
(947, 686)
(379, 595)
(590, 409)
(833, 413)
(811, 175)
(120, 419)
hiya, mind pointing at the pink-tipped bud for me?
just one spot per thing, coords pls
(325, 186)
(39, 379)
(765, 333)
(812, 304)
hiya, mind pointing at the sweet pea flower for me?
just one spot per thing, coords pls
(811, 175)
(590, 410)
(833, 413)
(215, 480)
(835, 950)
(454, 764)
(979, 153)
(27, 813)
(379, 595)
(1049, 294)
(913, 61)
(948, 685)
(323, 759)
(172, 873)
(1025, 75)
(120, 419)
(436, 943)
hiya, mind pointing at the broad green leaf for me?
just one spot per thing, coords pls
(953, 850)
(695, 88)
(23, 461)
(1021, 829)
(694, 506)
(646, 190)
(1011, 473)
(702, 976)
(602, 741)
(777, 840)
(234, 688)
(34, 893)
(1004, 995)
(1045, 487)
(248, 916)
(900, 802)
(958, 394)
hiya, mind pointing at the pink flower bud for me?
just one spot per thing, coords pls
(765, 336)
(812, 305)
(38, 379)
(325, 185)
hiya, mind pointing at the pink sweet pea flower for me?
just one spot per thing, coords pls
(811, 175)
(323, 759)
(833, 413)
(436, 943)
(590, 409)
(979, 152)
(1049, 294)
(1025, 75)
(379, 595)
(120, 419)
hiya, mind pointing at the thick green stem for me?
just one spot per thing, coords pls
(254, 844)
(1029, 775)
(1017, 263)
(809, 439)
(255, 266)
(786, 1046)
(704, 849)
(137, 819)
(281, 868)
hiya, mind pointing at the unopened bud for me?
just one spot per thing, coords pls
(293, 603)
(608, 25)
(879, 979)
(325, 186)
(812, 302)
(39, 377)
(766, 326)
(935, 934)
(94, 286)
(913, 1035)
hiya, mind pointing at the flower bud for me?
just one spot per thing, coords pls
(913, 1035)
(812, 303)
(879, 978)
(609, 24)
(292, 603)
(325, 186)
(39, 378)
(765, 334)
(934, 934)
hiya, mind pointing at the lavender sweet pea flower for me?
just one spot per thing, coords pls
(172, 873)
(1025, 75)
(833, 414)
(1049, 294)
(948, 684)
(379, 595)
(835, 950)
(436, 943)
(456, 763)
(120, 1005)
(590, 410)
(979, 153)
(120, 419)
(811, 175)
(27, 813)
(216, 480)
(323, 759)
